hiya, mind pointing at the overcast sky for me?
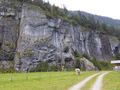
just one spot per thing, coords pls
(109, 8)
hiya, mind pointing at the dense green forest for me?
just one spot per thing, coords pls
(108, 20)
(89, 21)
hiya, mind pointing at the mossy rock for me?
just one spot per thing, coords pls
(18, 55)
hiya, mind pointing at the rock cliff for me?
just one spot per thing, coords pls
(28, 37)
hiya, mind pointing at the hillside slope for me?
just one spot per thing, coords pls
(103, 19)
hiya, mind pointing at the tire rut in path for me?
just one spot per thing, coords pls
(79, 85)
(98, 84)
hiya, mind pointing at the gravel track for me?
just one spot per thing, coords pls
(98, 84)
(79, 85)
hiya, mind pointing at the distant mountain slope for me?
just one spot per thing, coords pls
(107, 20)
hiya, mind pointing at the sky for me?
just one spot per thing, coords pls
(109, 8)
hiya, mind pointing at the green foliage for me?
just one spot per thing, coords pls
(43, 39)
(43, 66)
(1, 52)
(77, 63)
(86, 56)
(46, 39)
(114, 38)
(11, 46)
(11, 53)
(101, 65)
(29, 52)
(48, 14)
(73, 22)
(18, 55)
(8, 70)
(30, 6)
(76, 54)
(54, 68)
(117, 57)
(37, 41)
(94, 24)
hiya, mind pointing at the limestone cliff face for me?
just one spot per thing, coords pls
(37, 38)
(9, 31)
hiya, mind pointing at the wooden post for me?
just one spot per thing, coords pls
(26, 75)
(11, 77)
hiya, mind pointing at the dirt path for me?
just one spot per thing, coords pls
(98, 84)
(79, 85)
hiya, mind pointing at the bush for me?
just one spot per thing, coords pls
(101, 65)
(77, 63)
(73, 22)
(29, 52)
(55, 68)
(8, 70)
(43, 66)
(86, 56)
(76, 54)
(18, 55)
(117, 57)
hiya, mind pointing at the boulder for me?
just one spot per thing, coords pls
(89, 66)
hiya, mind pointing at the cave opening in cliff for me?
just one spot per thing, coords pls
(116, 50)
(68, 59)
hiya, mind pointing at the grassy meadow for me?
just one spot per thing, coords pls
(41, 80)
(111, 81)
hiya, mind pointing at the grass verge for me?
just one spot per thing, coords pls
(111, 81)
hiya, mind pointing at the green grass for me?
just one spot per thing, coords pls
(41, 81)
(89, 84)
(111, 81)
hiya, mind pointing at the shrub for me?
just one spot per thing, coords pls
(43, 66)
(96, 63)
(18, 55)
(101, 65)
(76, 54)
(86, 56)
(8, 70)
(46, 39)
(73, 22)
(33, 7)
(37, 41)
(77, 63)
(55, 68)
(29, 52)
(11, 46)
(117, 57)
